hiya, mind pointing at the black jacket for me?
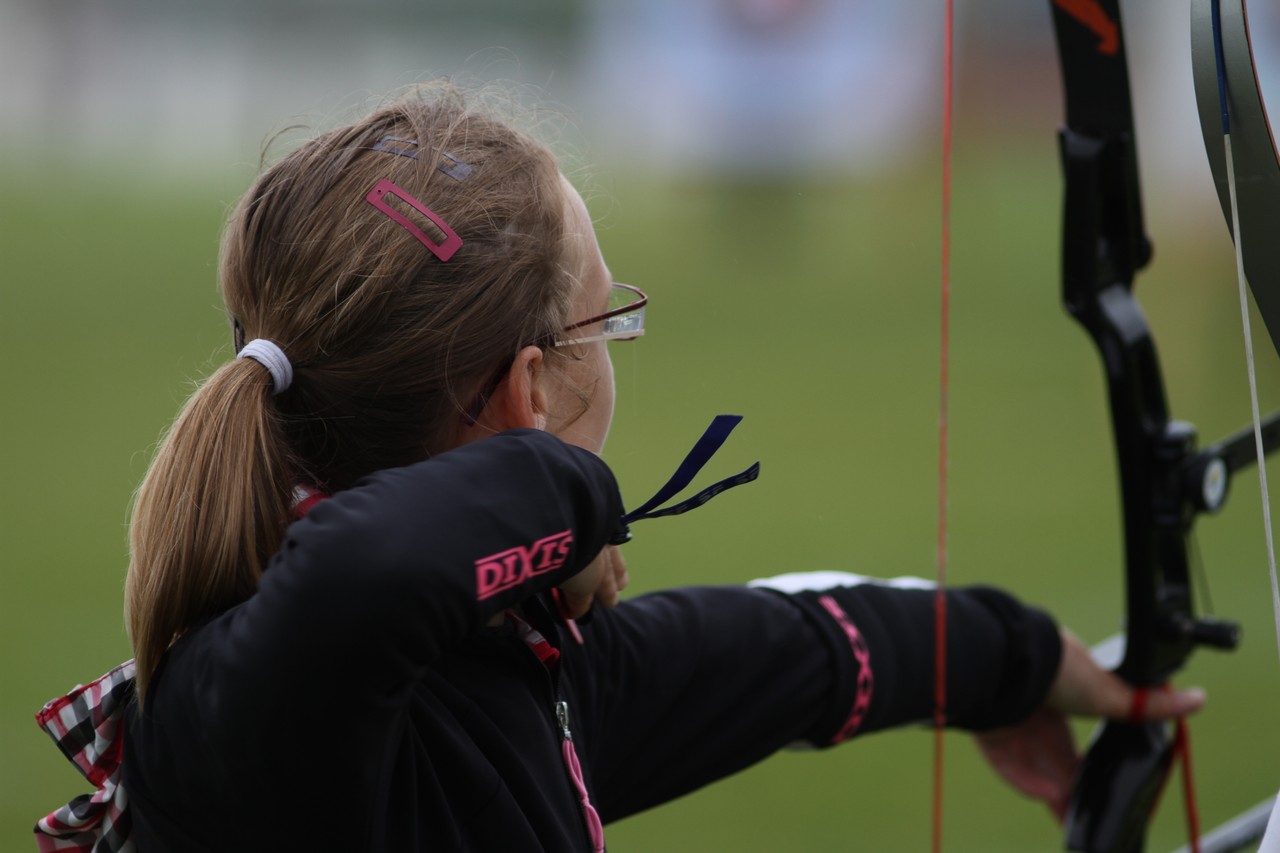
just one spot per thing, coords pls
(360, 701)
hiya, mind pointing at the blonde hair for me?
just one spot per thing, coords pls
(388, 343)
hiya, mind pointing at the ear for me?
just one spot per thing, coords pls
(519, 400)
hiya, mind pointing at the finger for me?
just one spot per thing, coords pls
(1059, 807)
(574, 605)
(614, 579)
(1168, 704)
(621, 578)
(606, 594)
(1036, 756)
(579, 591)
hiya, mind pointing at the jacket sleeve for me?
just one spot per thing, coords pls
(689, 686)
(374, 583)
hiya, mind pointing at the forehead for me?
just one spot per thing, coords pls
(582, 250)
(577, 219)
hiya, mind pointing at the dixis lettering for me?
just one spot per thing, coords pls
(514, 566)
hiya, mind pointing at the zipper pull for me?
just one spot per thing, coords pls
(562, 717)
(595, 829)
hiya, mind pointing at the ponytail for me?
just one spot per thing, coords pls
(389, 342)
(210, 513)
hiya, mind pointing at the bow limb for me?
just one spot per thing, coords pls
(1104, 246)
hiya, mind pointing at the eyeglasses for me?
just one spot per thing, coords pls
(624, 321)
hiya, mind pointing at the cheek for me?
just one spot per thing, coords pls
(607, 391)
(606, 376)
(588, 381)
(599, 414)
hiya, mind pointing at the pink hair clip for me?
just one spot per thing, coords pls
(444, 251)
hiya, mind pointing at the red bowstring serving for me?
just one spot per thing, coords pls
(1181, 754)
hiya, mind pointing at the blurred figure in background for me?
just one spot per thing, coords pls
(759, 87)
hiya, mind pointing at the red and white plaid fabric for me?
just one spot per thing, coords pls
(88, 726)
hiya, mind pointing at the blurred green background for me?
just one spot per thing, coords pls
(806, 301)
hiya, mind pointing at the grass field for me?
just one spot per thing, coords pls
(808, 306)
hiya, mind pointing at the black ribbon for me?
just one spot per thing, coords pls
(710, 442)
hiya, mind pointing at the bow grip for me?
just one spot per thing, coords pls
(1117, 786)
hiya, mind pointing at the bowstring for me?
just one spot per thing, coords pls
(1269, 841)
(1242, 286)
(1253, 393)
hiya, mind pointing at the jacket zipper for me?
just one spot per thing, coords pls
(591, 818)
(562, 719)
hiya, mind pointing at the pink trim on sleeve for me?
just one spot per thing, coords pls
(866, 681)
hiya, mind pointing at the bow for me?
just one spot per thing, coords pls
(1164, 481)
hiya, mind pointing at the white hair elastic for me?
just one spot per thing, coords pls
(273, 359)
